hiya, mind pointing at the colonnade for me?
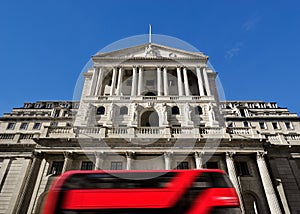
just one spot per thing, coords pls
(199, 162)
(162, 82)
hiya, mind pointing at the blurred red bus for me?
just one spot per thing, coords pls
(135, 192)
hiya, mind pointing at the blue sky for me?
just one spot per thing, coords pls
(253, 45)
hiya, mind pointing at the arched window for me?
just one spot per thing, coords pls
(175, 110)
(123, 110)
(198, 110)
(246, 124)
(100, 110)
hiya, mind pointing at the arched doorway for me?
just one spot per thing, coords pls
(150, 119)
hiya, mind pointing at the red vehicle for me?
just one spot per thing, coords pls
(132, 192)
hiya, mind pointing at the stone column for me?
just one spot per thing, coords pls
(206, 82)
(29, 184)
(200, 81)
(133, 87)
(199, 159)
(186, 82)
(99, 160)
(159, 81)
(113, 81)
(129, 158)
(119, 84)
(99, 82)
(68, 161)
(179, 81)
(94, 81)
(168, 160)
(166, 86)
(140, 82)
(267, 184)
(233, 177)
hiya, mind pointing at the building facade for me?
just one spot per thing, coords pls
(152, 107)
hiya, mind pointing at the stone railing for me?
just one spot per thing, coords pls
(88, 130)
(211, 131)
(26, 136)
(117, 131)
(241, 131)
(295, 137)
(182, 131)
(60, 130)
(149, 131)
(7, 136)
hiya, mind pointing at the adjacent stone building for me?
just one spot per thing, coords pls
(152, 107)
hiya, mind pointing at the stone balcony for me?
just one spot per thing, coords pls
(151, 132)
(171, 98)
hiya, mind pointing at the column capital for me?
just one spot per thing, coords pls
(129, 154)
(168, 154)
(99, 154)
(179, 66)
(69, 155)
(230, 155)
(38, 155)
(199, 154)
(134, 66)
(260, 155)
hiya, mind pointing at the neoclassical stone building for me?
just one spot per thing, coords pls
(152, 107)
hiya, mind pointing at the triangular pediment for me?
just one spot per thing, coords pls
(151, 50)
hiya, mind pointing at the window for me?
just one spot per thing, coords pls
(116, 165)
(212, 165)
(11, 126)
(150, 82)
(53, 124)
(56, 167)
(183, 165)
(100, 110)
(38, 105)
(175, 110)
(56, 113)
(275, 125)
(242, 111)
(23, 126)
(49, 105)
(123, 110)
(246, 124)
(198, 110)
(172, 83)
(87, 165)
(27, 105)
(262, 125)
(288, 125)
(37, 126)
(242, 168)
(129, 82)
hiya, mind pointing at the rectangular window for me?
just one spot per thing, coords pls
(288, 125)
(150, 82)
(275, 125)
(242, 168)
(53, 124)
(212, 165)
(56, 167)
(11, 126)
(183, 165)
(37, 126)
(262, 125)
(56, 113)
(23, 126)
(87, 165)
(246, 124)
(116, 165)
(129, 82)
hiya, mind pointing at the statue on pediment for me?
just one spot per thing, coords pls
(151, 51)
